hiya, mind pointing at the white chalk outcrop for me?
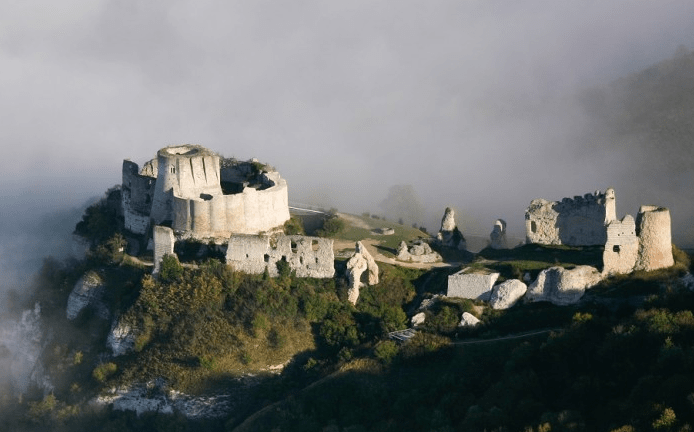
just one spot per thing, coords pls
(360, 262)
(471, 284)
(561, 286)
(507, 294)
(121, 338)
(88, 291)
(468, 320)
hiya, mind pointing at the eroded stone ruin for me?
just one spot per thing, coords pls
(201, 195)
(578, 221)
(358, 264)
(449, 235)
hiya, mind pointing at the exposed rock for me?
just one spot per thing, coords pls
(561, 286)
(507, 293)
(360, 262)
(427, 303)
(688, 281)
(470, 285)
(88, 291)
(498, 235)
(449, 235)
(403, 252)
(468, 320)
(121, 338)
(418, 319)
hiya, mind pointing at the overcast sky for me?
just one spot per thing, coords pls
(461, 99)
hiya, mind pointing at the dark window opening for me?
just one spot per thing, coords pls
(267, 258)
(247, 256)
(615, 248)
(293, 246)
(301, 260)
(314, 245)
(173, 170)
(533, 226)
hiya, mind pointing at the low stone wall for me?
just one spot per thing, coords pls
(308, 256)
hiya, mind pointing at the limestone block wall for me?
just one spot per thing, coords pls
(308, 256)
(250, 212)
(653, 227)
(621, 248)
(471, 285)
(186, 171)
(575, 222)
(164, 241)
(136, 195)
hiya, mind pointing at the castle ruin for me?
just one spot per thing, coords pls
(201, 195)
(590, 220)
(579, 221)
(191, 193)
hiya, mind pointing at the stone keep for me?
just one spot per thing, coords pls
(203, 196)
(580, 221)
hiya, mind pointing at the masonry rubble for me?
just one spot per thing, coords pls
(420, 251)
(418, 319)
(471, 284)
(562, 286)
(507, 294)
(468, 320)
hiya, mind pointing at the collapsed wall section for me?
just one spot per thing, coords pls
(308, 256)
(578, 221)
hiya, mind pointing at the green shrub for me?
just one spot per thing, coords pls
(386, 351)
(332, 226)
(103, 371)
(170, 269)
(294, 226)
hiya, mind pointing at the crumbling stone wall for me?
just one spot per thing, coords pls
(579, 221)
(653, 227)
(182, 188)
(251, 212)
(308, 256)
(621, 248)
(136, 197)
(164, 242)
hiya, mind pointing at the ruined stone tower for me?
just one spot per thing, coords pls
(187, 171)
